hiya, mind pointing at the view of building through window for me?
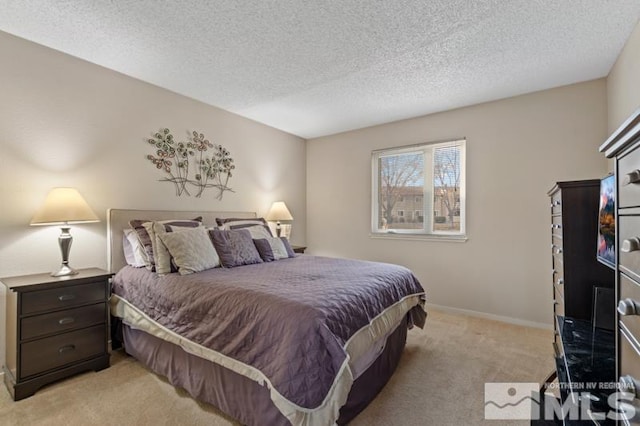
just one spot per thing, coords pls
(419, 189)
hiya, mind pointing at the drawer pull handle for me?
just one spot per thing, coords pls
(66, 297)
(632, 244)
(633, 177)
(556, 226)
(560, 281)
(629, 384)
(66, 349)
(557, 250)
(67, 320)
(555, 203)
(628, 307)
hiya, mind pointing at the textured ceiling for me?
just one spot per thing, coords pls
(314, 68)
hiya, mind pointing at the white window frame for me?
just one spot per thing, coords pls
(427, 231)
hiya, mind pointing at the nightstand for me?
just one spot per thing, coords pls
(299, 249)
(56, 327)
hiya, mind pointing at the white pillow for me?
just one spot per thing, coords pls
(258, 231)
(133, 250)
(192, 250)
(160, 252)
(278, 248)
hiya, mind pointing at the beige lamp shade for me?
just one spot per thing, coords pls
(278, 212)
(64, 206)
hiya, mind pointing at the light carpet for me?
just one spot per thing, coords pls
(440, 381)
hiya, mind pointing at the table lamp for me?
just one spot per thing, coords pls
(278, 212)
(64, 206)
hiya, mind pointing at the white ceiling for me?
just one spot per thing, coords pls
(318, 67)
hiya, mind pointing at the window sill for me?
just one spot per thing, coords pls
(419, 237)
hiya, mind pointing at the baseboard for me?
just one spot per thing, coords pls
(485, 315)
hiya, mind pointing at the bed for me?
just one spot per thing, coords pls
(302, 340)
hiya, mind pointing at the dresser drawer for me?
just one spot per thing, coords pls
(629, 230)
(557, 262)
(558, 306)
(630, 366)
(61, 321)
(558, 294)
(629, 194)
(56, 351)
(556, 203)
(556, 225)
(558, 279)
(63, 297)
(629, 289)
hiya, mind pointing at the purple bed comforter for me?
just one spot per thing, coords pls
(289, 319)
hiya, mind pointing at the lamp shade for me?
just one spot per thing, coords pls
(278, 212)
(64, 205)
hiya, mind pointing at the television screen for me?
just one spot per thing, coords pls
(607, 222)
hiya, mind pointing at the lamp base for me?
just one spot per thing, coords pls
(64, 240)
(64, 271)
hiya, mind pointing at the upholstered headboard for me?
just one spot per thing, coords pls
(118, 220)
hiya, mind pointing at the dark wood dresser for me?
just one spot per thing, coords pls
(584, 354)
(56, 327)
(574, 230)
(624, 147)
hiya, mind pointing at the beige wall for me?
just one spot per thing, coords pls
(623, 84)
(66, 122)
(516, 149)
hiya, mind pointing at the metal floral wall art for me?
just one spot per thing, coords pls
(182, 159)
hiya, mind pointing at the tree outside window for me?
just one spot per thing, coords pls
(421, 178)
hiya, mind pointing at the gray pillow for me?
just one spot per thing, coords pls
(147, 238)
(191, 250)
(162, 256)
(235, 247)
(271, 249)
(238, 223)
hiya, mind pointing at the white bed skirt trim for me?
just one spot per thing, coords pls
(325, 414)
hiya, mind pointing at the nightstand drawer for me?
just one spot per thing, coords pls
(61, 321)
(62, 297)
(45, 354)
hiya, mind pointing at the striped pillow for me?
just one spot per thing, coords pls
(271, 249)
(147, 238)
(228, 224)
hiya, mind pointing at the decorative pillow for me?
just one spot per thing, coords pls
(191, 249)
(162, 257)
(235, 247)
(259, 231)
(133, 251)
(235, 223)
(147, 238)
(271, 249)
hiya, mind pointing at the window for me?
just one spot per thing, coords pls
(430, 174)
